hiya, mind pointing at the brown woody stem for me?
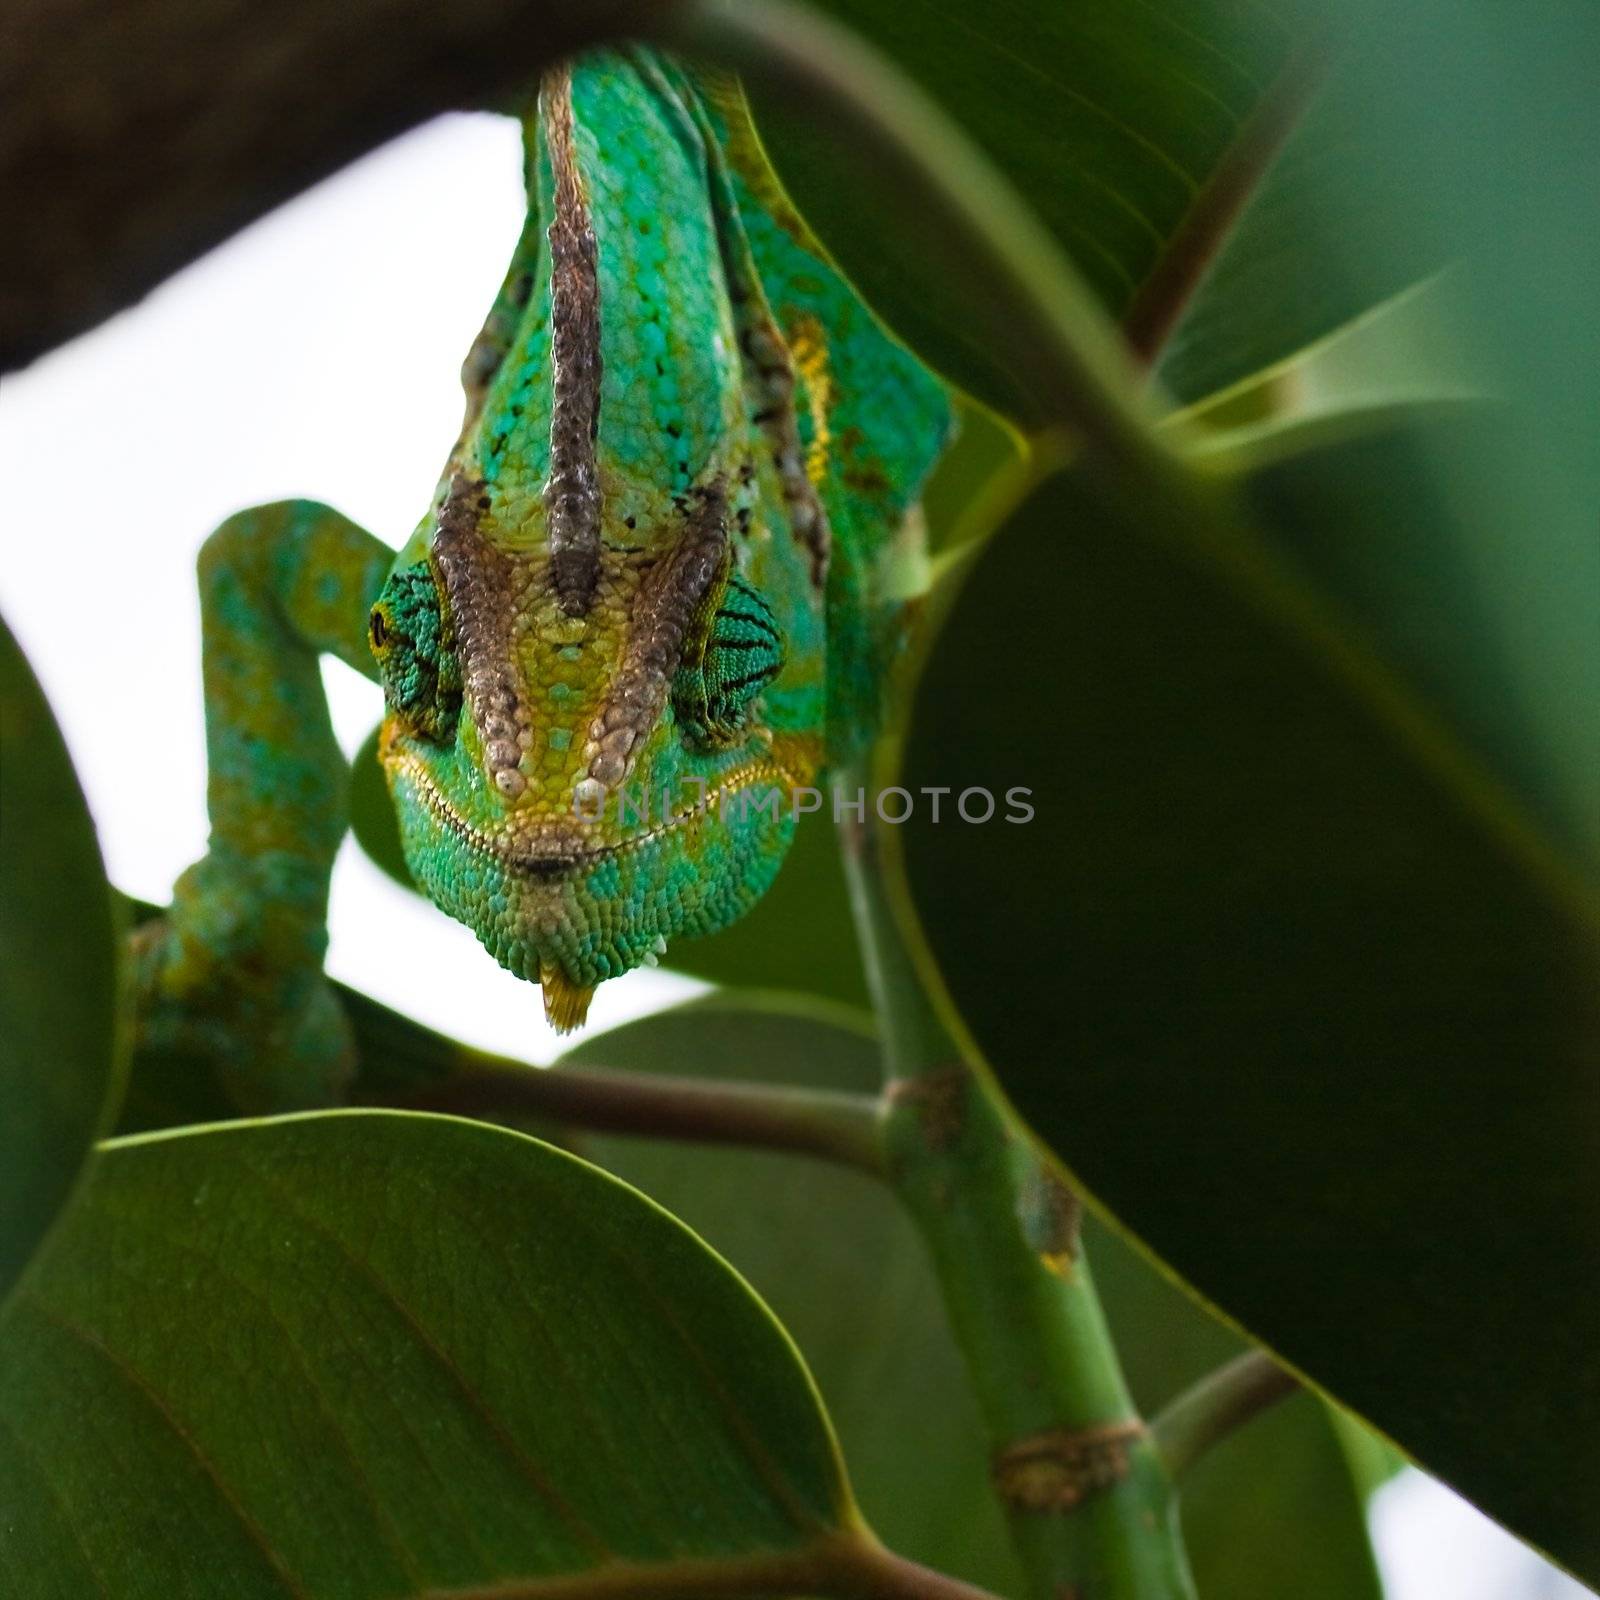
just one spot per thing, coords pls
(837, 1127)
(1217, 1405)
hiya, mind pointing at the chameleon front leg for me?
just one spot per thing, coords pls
(231, 978)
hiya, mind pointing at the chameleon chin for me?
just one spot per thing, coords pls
(656, 564)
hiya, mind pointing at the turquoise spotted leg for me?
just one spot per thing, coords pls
(231, 978)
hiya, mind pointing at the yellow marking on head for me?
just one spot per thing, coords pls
(808, 348)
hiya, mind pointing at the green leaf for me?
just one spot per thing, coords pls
(1488, 615)
(1281, 967)
(1449, 130)
(1316, 246)
(370, 1354)
(1373, 1460)
(1401, 358)
(372, 817)
(1275, 1512)
(61, 1057)
(838, 1261)
(1126, 125)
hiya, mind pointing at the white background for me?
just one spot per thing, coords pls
(317, 354)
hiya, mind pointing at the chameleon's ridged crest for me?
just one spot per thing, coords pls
(573, 493)
(668, 598)
(478, 600)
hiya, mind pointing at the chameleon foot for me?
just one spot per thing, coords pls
(262, 1040)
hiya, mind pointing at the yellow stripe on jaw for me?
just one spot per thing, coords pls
(808, 349)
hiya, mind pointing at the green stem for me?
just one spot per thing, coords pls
(1218, 1404)
(1088, 1499)
(838, 1127)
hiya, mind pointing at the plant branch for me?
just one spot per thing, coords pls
(137, 134)
(1198, 240)
(1217, 1405)
(1086, 1496)
(838, 1127)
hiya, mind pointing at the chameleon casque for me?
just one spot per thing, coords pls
(658, 575)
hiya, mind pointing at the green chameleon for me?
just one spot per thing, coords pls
(653, 596)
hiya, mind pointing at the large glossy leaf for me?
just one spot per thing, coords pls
(375, 1354)
(1275, 1512)
(1281, 968)
(1125, 125)
(60, 1061)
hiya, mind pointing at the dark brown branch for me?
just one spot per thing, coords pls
(136, 134)
(838, 1127)
(1218, 1404)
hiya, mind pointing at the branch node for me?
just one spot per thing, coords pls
(1057, 1470)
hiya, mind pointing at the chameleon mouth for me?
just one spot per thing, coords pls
(561, 854)
(561, 857)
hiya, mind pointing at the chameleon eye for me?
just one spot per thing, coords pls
(743, 653)
(420, 678)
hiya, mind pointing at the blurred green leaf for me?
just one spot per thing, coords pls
(61, 1055)
(1317, 244)
(1125, 124)
(1448, 131)
(372, 817)
(1299, 976)
(1373, 1460)
(1400, 357)
(1311, 1018)
(245, 1362)
(1274, 1512)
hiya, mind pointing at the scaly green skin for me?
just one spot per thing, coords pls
(659, 568)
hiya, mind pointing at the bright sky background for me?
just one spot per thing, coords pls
(317, 354)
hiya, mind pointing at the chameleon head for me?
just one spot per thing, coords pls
(606, 653)
(582, 783)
